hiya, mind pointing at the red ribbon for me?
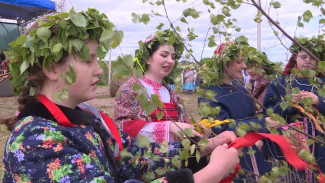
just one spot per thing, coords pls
(62, 119)
(290, 155)
(116, 134)
(55, 111)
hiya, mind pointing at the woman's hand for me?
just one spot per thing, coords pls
(272, 124)
(206, 132)
(178, 126)
(314, 98)
(306, 94)
(225, 137)
(223, 161)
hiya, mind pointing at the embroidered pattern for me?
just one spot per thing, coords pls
(160, 133)
(127, 108)
(155, 85)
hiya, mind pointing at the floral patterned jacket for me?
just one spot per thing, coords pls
(39, 149)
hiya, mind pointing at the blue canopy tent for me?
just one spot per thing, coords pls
(25, 10)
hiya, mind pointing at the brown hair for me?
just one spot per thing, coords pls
(36, 80)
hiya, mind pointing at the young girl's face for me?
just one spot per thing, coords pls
(255, 73)
(162, 61)
(236, 67)
(87, 73)
(304, 61)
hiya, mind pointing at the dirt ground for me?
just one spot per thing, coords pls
(8, 106)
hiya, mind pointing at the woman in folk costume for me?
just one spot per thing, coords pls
(220, 76)
(189, 84)
(157, 58)
(258, 68)
(54, 140)
(299, 89)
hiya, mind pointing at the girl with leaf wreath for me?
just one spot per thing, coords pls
(225, 98)
(55, 139)
(258, 69)
(156, 58)
(298, 98)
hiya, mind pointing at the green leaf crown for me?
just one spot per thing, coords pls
(258, 59)
(162, 37)
(316, 45)
(59, 35)
(213, 70)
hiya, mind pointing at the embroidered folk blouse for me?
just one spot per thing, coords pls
(132, 119)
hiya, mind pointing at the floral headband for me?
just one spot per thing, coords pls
(221, 47)
(159, 37)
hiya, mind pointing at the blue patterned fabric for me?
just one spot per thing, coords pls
(41, 150)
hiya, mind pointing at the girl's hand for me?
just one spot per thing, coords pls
(177, 126)
(207, 132)
(225, 137)
(225, 158)
(272, 124)
(306, 94)
(314, 98)
(223, 161)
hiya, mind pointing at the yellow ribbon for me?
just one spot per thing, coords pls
(318, 126)
(136, 59)
(205, 123)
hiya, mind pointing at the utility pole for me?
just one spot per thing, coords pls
(258, 30)
(109, 66)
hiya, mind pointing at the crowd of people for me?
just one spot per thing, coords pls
(190, 81)
(63, 139)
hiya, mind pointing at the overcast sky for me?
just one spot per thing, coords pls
(119, 12)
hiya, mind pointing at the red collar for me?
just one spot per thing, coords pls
(155, 85)
(60, 117)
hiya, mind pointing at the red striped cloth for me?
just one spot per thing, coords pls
(169, 110)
